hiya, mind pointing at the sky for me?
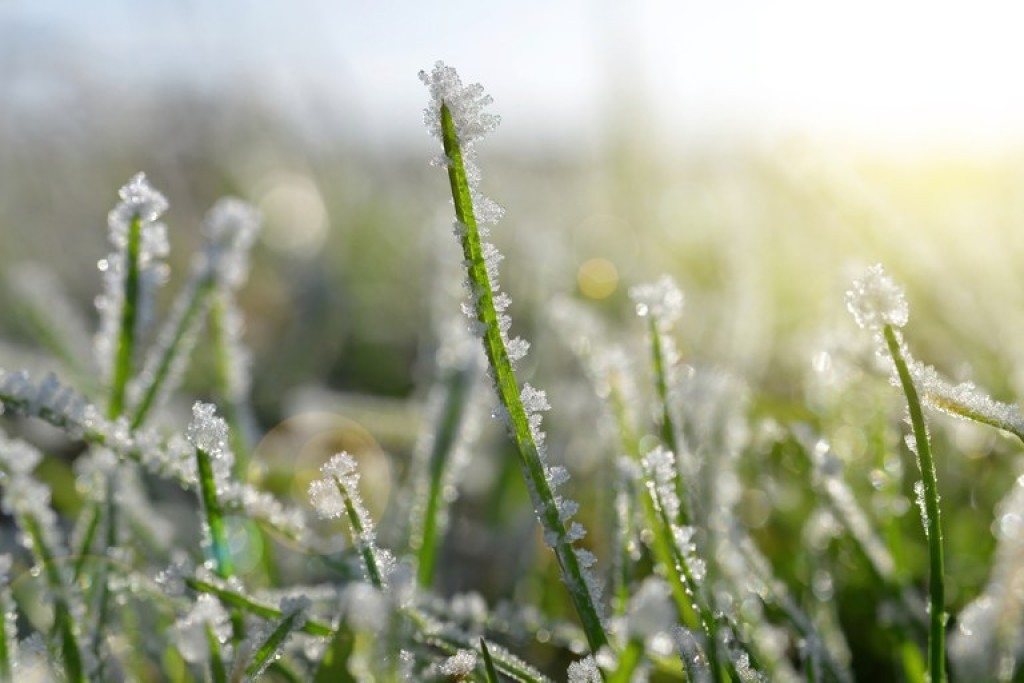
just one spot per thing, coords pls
(888, 73)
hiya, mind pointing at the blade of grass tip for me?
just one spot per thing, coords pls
(208, 435)
(270, 648)
(336, 494)
(489, 670)
(932, 519)
(126, 335)
(480, 262)
(139, 242)
(662, 304)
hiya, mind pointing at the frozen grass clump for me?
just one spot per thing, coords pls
(722, 534)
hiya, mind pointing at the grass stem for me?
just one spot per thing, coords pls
(932, 519)
(508, 389)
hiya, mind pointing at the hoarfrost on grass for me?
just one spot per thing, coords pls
(466, 104)
(651, 611)
(876, 300)
(230, 228)
(661, 300)
(585, 671)
(206, 431)
(964, 400)
(190, 631)
(141, 202)
(922, 505)
(459, 665)
(989, 629)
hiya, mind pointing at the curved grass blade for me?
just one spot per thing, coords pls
(930, 509)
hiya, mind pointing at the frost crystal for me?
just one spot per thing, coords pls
(190, 631)
(662, 300)
(139, 202)
(585, 671)
(922, 504)
(990, 629)
(326, 499)
(466, 104)
(651, 612)
(207, 431)
(876, 300)
(964, 400)
(230, 228)
(459, 665)
(334, 494)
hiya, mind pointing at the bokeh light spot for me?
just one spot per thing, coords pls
(294, 214)
(597, 278)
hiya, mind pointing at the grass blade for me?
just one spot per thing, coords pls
(491, 326)
(489, 670)
(930, 510)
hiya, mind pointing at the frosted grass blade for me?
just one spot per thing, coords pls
(481, 266)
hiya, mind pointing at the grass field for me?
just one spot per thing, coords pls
(735, 444)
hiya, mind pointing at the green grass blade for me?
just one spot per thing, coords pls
(197, 299)
(235, 600)
(931, 511)
(426, 528)
(63, 621)
(218, 672)
(334, 666)
(489, 670)
(373, 574)
(629, 660)
(214, 515)
(125, 348)
(508, 390)
(271, 646)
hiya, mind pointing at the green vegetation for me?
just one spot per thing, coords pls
(730, 519)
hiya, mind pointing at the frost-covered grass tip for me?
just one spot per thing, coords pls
(740, 534)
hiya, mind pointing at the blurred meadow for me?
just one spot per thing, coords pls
(761, 156)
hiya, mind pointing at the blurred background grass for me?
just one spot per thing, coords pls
(761, 156)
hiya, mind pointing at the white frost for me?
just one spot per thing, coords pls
(189, 632)
(466, 104)
(876, 300)
(662, 300)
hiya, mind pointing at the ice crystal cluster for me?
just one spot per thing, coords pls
(876, 300)
(135, 233)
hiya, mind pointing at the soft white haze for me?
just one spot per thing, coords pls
(884, 73)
